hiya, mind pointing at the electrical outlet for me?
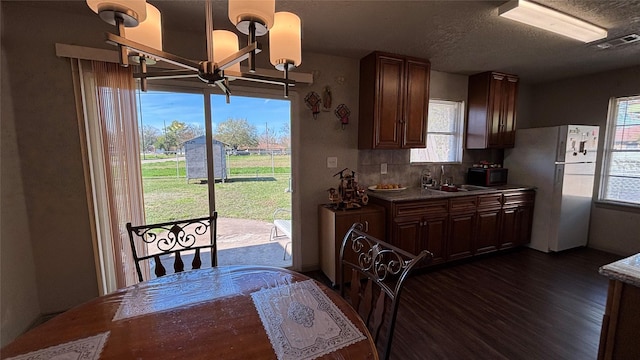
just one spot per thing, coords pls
(383, 168)
(332, 162)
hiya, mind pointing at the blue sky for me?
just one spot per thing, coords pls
(159, 108)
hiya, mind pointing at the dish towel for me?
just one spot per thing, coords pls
(302, 322)
(83, 349)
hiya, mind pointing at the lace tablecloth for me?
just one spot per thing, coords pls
(186, 288)
(302, 322)
(83, 349)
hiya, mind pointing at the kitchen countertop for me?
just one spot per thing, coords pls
(626, 270)
(416, 193)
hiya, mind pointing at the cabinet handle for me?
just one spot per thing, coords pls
(366, 226)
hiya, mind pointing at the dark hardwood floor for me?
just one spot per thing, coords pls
(519, 305)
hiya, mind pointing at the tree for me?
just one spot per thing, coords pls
(176, 134)
(148, 137)
(285, 135)
(268, 137)
(237, 133)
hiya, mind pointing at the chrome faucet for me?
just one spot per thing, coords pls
(442, 179)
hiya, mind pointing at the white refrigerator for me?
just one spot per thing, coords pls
(560, 162)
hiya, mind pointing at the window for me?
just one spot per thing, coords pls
(621, 169)
(444, 133)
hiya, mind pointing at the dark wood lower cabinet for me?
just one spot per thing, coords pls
(461, 226)
(509, 227)
(620, 323)
(417, 226)
(460, 238)
(487, 231)
(434, 237)
(517, 218)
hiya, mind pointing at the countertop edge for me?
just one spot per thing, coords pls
(626, 270)
(416, 193)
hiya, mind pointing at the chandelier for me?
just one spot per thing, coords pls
(139, 40)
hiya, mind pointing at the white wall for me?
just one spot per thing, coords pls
(18, 294)
(47, 257)
(585, 100)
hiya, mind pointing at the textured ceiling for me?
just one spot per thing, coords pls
(463, 37)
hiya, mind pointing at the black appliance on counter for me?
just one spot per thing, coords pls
(487, 176)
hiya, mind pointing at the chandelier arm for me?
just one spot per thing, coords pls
(252, 40)
(166, 74)
(259, 78)
(208, 9)
(153, 53)
(124, 56)
(143, 70)
(223, 84)
(240, 55)
(286, 76)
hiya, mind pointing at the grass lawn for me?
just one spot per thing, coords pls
(255, 188)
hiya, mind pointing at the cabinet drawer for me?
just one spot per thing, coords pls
(518, 197)
(420, 208)
(489, 201)
(463, 204)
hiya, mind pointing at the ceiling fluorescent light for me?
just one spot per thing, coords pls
(551, 20)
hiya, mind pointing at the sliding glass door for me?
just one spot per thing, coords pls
(250, 177)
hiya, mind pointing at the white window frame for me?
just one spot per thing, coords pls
(610, 148)
(420, 156)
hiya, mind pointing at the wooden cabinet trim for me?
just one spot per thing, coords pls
(420, 208)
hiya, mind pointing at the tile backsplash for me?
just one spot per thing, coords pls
(401, 171)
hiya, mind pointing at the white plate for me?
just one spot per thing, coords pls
(373, 188)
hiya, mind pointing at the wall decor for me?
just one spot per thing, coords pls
(326, 99)
(313, 102)
(349, 194)
(342, 112)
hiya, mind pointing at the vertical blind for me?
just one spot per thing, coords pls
(116, 109)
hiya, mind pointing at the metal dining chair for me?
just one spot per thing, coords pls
(174, 239)
(378, 271)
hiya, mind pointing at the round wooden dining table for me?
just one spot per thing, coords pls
(232, 312)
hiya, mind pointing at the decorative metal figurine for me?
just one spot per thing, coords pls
(349, 195)
(326, 99)
(313, 102)
(342, 112)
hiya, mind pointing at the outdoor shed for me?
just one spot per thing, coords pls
(196, 159)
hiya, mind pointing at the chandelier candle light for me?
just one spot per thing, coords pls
(142, 42)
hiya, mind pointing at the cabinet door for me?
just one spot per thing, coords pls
(508, 116)
(495, 111)
(487, 231)
(434, 237)
(460, 236)
(524, 222)
(374, 224)
(388, 103)
(416, 104)
(406, 232)
(509, 227)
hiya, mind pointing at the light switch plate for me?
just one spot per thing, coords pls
(332, 162)
(383, 168)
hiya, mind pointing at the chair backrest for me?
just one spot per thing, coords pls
(377, 273)
(174, 239)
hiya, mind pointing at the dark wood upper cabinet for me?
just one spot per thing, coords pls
(394, 101)
(491, 120)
